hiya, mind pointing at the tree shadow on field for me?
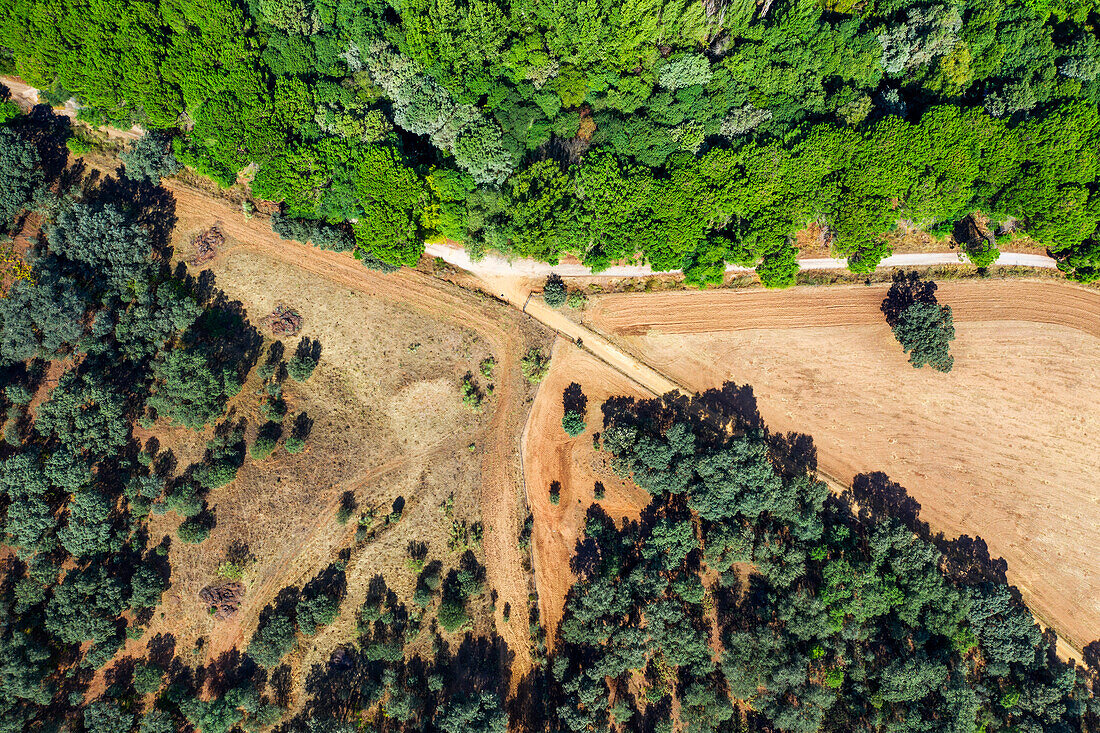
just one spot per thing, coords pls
(1091, 656)
(574, 400)
(907, 289)
(223, 332)
(309, 348)
(873, 497)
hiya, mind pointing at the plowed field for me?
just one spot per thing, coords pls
(1003, 447)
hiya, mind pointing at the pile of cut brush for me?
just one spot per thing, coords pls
(284, 321)
(206, 245)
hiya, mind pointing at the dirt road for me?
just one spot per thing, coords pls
(714, 311)
(493, 264)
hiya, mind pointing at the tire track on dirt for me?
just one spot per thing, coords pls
(232, 634)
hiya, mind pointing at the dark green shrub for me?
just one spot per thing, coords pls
(452, 614)
(301, 367)
(272, 640)
(193, 531)
(925, 331)
(554, 292)
(573, 423)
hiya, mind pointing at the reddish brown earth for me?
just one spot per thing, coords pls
(549, 454)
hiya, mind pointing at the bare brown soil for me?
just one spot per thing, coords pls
(549, 455)
(721, 311)
(1003, 447)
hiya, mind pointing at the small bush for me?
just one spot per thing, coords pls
(347, 508)
(553, 292)
(193, 531)
(867, 257)
(18, 394)
(273, 410)
(555, 493)
(573, 423)
(148, 677)
(300, 368)
(231, 570)
(472, 396)
(217, 475)
(778, 268)
(576, 299)
(78, 145)
(149, 158)
(487, 366)
(925, 331)
(262, 447)
(294, 445)
(452, 614)
(535, 365)
(524, 542)
(272, 641)
(982, 254)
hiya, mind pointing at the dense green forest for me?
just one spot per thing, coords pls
(693, 132)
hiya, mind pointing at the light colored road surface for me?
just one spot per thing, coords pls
(603, 349)
(496, 265)
(26, 97)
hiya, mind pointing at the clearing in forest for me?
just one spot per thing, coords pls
(388, 424)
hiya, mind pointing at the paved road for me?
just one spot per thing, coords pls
(496, 265)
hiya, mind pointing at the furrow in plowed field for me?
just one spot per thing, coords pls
(732, 310)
